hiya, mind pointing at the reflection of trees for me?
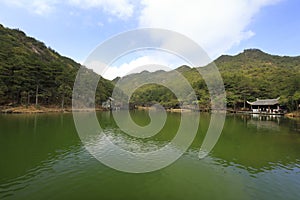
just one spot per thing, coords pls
(257, 144)
(35, 140)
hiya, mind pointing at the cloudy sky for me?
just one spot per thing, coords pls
(75, 27)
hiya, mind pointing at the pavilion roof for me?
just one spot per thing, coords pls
(264, 102)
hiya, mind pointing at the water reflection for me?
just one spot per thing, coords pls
(271, 122)
(255, 158)
(258, 144)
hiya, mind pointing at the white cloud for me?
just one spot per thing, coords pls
(216, 25)
(129, 67)
(151, 61)
(40, 7)
(120, 8)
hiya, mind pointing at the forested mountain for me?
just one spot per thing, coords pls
(255, 74)
(249, 75)
(31, 73)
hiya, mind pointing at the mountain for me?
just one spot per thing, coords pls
(31, 73)
(256, 74)
(249, 75)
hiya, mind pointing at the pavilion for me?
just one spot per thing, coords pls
(266, 106)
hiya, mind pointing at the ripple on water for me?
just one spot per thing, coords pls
(64, 164)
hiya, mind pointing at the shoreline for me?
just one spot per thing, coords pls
(41, 109)
(32, 109)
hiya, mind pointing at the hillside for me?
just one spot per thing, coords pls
(31, 73)
(249, 75)
(255, 74)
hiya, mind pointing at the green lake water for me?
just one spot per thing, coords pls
(256, 157)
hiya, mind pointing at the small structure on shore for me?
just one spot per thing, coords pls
(112, 104)
(109, 104)
(266, 106)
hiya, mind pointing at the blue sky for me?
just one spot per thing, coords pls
(75, 27)
(277, 30)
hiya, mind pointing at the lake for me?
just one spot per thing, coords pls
(256, 157)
